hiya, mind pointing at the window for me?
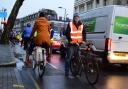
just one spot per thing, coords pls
(90, 24)
(89, 5)
(97, 1)
(105, 2)
(101, 24)
(118, 2)
(81, 8)
(96, 24)
(127, 2)
(76, 9)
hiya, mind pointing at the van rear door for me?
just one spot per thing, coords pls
(120, 30)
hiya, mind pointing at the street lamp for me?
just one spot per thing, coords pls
(65, 11)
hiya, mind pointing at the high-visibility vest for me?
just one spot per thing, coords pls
(76, 34)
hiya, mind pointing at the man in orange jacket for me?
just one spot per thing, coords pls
(75, 33)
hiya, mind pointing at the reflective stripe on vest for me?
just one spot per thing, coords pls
(76, 34)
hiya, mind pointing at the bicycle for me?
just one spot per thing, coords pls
(39, 60)
(83, 60)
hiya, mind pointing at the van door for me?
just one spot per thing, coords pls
(120, 34)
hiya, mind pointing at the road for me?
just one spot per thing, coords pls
(114, 77)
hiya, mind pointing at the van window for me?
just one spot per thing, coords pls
(97, 24)
(101, 24)
(121, 25)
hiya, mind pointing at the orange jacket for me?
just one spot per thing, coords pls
(76, 34)
(42, 27)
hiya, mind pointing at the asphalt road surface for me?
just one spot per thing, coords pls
(115, 77)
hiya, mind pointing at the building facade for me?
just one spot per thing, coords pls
(85, 5)
(57, 23)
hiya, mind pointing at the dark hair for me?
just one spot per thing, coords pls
(42, 14)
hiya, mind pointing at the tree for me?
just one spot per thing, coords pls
(11, 20)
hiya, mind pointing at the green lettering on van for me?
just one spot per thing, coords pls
(121, 25)
(90, 24)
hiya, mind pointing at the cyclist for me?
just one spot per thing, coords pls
(75, 33)
(51, 37)
(42, 36)
(25, 41)
(26, 35)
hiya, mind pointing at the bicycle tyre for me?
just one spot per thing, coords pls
(75, 65)
(91, 70)
(33, 64)
(41, 69)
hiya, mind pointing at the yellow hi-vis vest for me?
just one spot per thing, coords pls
(76, 34)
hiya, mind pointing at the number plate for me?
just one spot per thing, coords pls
(121, 54)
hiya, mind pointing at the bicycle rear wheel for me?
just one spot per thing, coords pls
(41, 69)
(91, 70)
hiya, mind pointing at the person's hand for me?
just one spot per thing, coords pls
(72, 42)
(83, 42)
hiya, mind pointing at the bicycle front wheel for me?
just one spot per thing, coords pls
(75, 66)
(92, 70)
(41, 69)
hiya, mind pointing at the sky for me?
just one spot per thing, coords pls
(31, 6)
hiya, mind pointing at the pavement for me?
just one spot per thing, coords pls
(7, 58)
(10, 77)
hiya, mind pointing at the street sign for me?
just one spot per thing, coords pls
(3, 14)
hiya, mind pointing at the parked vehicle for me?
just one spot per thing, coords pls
(56, 41)
(107, 29)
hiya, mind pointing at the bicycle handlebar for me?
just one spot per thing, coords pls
(85, 46)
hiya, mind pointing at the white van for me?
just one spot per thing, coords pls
(107, 29)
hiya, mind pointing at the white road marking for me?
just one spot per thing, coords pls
(53, 66)
(35, 83)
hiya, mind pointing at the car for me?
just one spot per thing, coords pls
(56, 43)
